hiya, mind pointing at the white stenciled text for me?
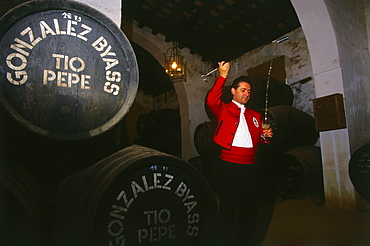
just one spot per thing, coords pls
(67, 72)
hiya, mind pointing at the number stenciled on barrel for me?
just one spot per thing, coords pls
(69, 16)
(158, 222)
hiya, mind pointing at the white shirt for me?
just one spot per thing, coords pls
(242, 136)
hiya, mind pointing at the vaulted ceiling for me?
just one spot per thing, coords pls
(215, 29)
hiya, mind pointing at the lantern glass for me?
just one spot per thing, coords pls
(174, 62)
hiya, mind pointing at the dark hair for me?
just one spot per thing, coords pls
(237, 81)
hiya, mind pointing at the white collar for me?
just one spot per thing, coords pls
(238, 104)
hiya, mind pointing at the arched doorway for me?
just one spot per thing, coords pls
(154, 118)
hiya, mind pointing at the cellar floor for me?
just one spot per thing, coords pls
(300, 223)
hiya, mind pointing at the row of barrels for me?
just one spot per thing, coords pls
(291, 165)
(136, 196)
(71, 77)
(71, 90)
(140, 196)
(294, 174)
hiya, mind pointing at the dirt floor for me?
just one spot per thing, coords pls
(300, 223)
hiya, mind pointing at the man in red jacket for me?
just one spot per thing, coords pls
(238, 132)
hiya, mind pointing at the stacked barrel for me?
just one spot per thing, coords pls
(359, 171)
(136, 196)
(68, 76)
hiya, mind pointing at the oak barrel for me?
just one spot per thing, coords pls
(22, 209)
(67, 71)
(291, 127)
(208, 166)
(203, 139)
(299, 173)
(359, 171)
(137, 196)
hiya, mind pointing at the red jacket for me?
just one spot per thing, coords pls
(228, 118)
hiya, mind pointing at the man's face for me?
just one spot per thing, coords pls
(242, 93)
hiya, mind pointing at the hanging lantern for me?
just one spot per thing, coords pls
(174, 62)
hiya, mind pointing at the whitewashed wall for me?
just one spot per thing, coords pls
(335, 31)
(297, 67)
(367, 16)
(111, 8)
(351, 34)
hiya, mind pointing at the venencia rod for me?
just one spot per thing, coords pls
(277, 41)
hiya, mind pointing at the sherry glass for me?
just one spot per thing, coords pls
(266, 125)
